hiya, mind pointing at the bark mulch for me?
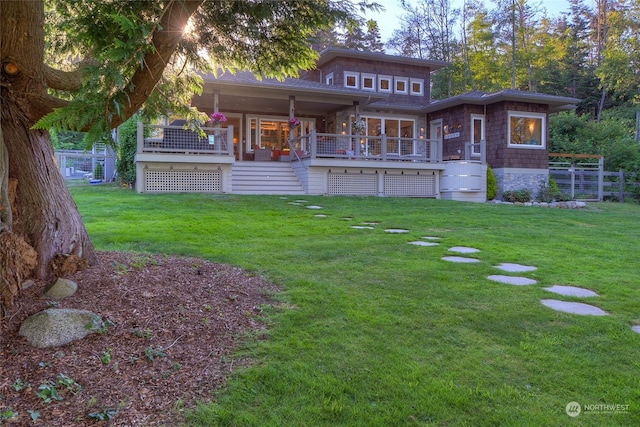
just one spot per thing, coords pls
(172, 326)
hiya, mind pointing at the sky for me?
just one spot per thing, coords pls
(389, 20)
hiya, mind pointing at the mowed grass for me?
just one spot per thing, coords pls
(372, 331)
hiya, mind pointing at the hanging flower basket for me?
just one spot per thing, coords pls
(217, 118)
(293, 123)
(359, 126)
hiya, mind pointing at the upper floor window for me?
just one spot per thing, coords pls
(368, 81)
(385, 84)
(329, 79)
(527, 130)
(351, 79)
(401, 85)
(417, 86)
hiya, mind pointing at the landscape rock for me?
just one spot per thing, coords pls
(61, 288)
(58, 326)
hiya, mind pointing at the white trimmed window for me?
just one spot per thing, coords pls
(329, 79)
(385, 84)
(401, 85)
(368, 82)
(527, 130)
(351, 79)
(417, 86)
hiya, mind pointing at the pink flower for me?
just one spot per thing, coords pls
(217, 118)
(293, 122)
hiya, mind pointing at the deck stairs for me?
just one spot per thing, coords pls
(269, 177)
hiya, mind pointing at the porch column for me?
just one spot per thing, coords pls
(292, 115)
(216, 100)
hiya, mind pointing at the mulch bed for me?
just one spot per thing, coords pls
(173, 325)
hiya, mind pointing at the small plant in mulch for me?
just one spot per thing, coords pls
(154, 353)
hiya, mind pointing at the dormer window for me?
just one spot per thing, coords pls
(417, 87)
(368, 82)
(385, 84)
(401, 85)
(351, 79)
(329, 79)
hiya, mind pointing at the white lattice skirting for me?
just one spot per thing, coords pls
(386, 184)
(176, 181)
(410, 185)
(353, 184)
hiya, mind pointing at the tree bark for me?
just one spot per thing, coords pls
(42, 213)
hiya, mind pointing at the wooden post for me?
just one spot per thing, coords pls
(216, 100)
(621, 186)
(601, 179)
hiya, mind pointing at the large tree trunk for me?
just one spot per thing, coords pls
(42, 213)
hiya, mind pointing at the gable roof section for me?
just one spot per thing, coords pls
(331, 53)
(555, 103)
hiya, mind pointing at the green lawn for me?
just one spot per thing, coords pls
(372, 331)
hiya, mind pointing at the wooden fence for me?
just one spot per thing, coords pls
(582, 176)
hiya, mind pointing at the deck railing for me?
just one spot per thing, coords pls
(176, 139)
(361, 147)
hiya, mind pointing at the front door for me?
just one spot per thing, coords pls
(435, 133)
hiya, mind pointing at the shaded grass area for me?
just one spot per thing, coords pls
(373, 331)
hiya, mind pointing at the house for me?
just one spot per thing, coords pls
(360, 123)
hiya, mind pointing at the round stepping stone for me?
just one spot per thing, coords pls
(301, 201)
(314, 207)
(463, 250)
(515, 268)
(431, 238)
(396, 230)
(419, 243)
(511, 280)
(573, 307)
(460, 259)
(362, 227)
(294, 203)
(571, 291)
(636, 329)
(371, 223)
(320, 216)
(347, 218)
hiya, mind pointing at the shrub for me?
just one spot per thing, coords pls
(549, 190)
(523, 195)
(127, 145)
(492, 186)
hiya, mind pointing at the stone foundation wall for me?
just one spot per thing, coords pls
(517, 179)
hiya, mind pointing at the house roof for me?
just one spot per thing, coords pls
(555, 103)
(242, 88)
(331, 53)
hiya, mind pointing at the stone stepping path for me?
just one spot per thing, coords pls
(460, 259)
(562, 306)
(513, 280)
(421, 243)
(463, 250)
(515, 268)
(573, 307)
(571, 291)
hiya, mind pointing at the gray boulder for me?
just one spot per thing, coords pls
(58, 326)
(61, 288)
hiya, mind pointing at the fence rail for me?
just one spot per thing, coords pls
(595, 185)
